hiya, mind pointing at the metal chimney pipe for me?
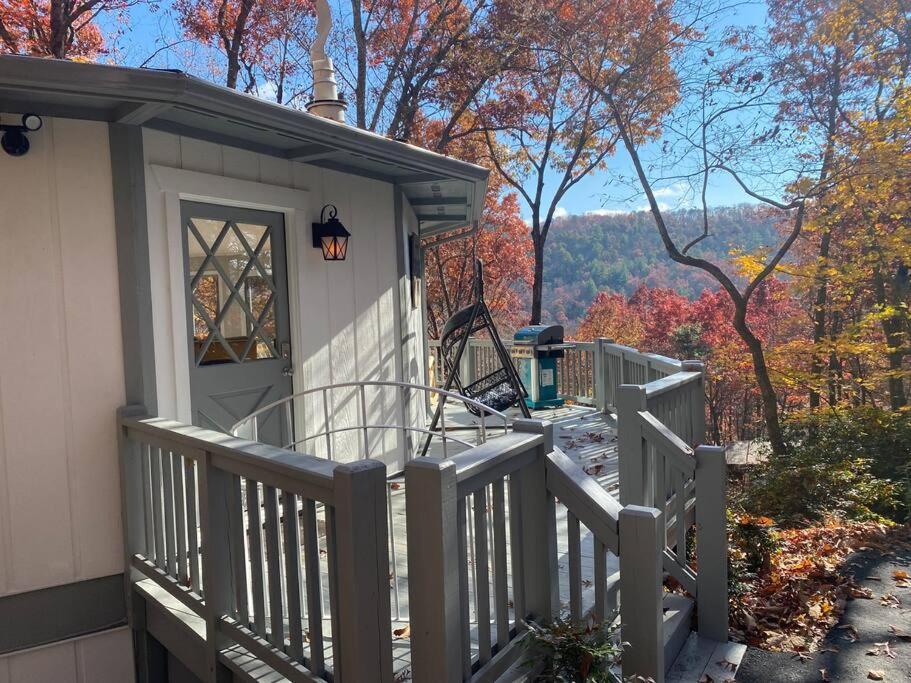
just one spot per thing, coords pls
(325, 102)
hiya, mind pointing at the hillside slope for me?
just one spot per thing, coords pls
(591, 253)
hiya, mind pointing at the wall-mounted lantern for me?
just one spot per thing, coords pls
(14, 141)
(331, 236)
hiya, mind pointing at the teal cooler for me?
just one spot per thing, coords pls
(535, 351)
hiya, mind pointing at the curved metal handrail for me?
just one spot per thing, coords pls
(251, 420)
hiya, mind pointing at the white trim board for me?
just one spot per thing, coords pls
(177, 184)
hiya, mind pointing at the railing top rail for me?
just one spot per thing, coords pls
(493, 460)
(669, 364)
(372, 383)
(667, 442)
(305, 474)
(585, 498)
(665, 384)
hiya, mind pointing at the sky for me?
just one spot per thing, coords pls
(142, 35)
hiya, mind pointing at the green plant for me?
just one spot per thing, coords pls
(851, 463)
(575, 652)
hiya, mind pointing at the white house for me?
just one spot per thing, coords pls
(134, 176)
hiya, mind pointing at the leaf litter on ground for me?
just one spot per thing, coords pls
(801, 597)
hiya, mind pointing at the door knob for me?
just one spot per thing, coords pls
(287, 371)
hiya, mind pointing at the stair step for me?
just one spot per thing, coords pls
(678, 616)
(702, 659)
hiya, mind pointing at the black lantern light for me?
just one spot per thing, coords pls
(14, 140)
(331, 236)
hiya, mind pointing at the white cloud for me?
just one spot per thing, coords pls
(661, 206)
(607, 212)
(674, 190)
(561, 212)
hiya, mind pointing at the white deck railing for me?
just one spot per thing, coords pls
(211, 520)
(283, 555)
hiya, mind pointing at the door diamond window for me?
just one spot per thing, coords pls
(232, 291)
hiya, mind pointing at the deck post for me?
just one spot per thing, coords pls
(539, 529)
(641, 610)
(217, 575)
(633, 465)
(363, 649)
(711, 530)
(433, 569)
(599, 369)
(697, 401)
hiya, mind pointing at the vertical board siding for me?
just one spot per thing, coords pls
(61, 362)
(105, 657)
(348, 309)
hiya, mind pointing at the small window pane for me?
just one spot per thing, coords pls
(230, 270)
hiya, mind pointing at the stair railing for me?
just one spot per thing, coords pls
(484, 557)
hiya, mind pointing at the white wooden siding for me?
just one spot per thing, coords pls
(346, 312)
(105, 657)
(61, 361)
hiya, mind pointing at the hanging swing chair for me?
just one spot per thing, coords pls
(499, 390)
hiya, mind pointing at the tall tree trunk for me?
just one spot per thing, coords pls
(537, 285)
(768, 398)
(360, 41)
(894, 332)
(58, 21)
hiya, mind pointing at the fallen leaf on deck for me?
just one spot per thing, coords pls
(876, 675)
(395, 486)
(404, 632)
(898, 633)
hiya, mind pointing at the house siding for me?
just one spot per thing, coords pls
(100, 658)
(348, 312)
(61, 363)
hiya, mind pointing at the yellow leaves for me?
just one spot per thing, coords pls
(748, 265)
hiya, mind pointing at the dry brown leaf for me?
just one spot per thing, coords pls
(824, 675)
(898, 633)
(404, 632)
(876, 675)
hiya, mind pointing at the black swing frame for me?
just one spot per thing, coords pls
(477, 317)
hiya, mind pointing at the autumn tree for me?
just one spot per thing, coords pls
(261, 41)
(728, 123)
(418, 59)
(65, 29)
(561, 130)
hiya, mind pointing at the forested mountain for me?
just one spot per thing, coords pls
(589, 253)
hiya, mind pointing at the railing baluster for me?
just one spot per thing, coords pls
(292, 553)
(464, 570)
(254, 517)
(600, 562)
(146, 465)
(160, 552)
(314, 587)
(237, 531)
(180, 515)
(392, 553)
(515, 546)
(482, 575)
(273, 569)
(192, 502)
(575, 566)
(681, 527)
(501, 598)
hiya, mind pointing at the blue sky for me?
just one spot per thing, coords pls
(147, 29)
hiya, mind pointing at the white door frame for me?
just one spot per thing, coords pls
(177, 184)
